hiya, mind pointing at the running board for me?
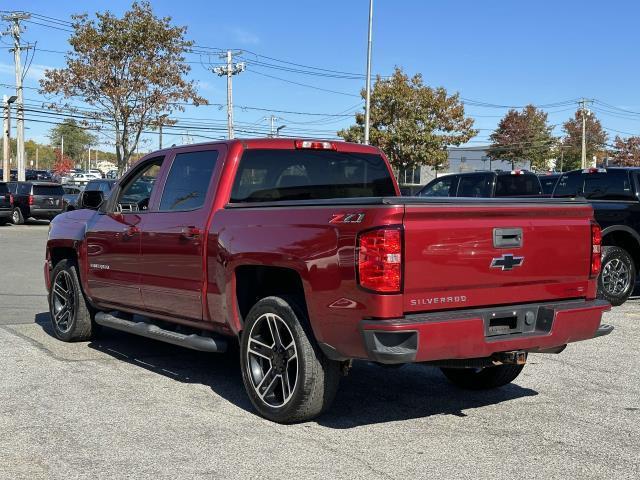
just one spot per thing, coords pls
(148, 330)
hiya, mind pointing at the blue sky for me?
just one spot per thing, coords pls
(497, 52)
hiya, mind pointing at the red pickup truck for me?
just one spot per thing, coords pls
(305, 252)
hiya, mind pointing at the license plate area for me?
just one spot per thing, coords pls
(516, 321)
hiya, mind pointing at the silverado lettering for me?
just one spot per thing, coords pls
(239, 240)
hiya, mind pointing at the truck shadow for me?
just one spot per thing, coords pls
(370, 394)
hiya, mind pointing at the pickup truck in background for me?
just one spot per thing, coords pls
(498, 184)
(614, 194)
(304, 252)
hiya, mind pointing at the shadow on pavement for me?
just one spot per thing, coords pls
(371, 393)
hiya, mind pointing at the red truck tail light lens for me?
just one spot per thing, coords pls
(596, 249)
(30, 199)
(380, 260)
(315, 145)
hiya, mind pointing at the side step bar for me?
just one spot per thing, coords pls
(148, 330)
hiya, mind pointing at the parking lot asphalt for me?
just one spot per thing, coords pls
(127, 407)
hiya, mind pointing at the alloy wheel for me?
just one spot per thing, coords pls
(62, 301)
(272, 360)
(616, 277)
(15, 216)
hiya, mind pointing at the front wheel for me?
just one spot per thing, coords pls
(71, 315)
(482, 378)
(618, 276)
(287, 377)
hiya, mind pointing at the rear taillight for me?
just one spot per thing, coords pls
(380, 260)
(596, 249)
(11, 199)
(30, 199)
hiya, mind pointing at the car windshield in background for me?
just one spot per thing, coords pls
(517, 185)
(48, 190)
(274, 175)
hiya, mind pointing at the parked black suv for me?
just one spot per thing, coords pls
(614, 194)
(5, 204)
(39, 200)
(517, 183)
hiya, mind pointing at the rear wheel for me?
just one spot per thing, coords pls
(482, 378)
(286, 375)
(16, 217)
(618, 276)
(71, 315)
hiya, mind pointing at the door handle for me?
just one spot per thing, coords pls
(190, 233)
(131, 231)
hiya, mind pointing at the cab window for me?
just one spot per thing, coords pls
(569, 185)
(188, 181)
(474, 186)
(135, 195)
(441, 187)
(612, 185)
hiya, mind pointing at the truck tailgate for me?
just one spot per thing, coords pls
(464, 254)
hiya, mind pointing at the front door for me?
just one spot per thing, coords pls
(174, 235)
(114, 240)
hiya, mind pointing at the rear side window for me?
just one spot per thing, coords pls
(442, 187)
(48, 190)
(3, 188)
(569, 185)
(613, 185)
(474, 186)
(188, 180)
(517, 185)
(274, 175)
(24, 189)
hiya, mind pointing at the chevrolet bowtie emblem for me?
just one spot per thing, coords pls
(507, 262)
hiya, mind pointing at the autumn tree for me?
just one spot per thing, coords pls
(76, 138)
(596, 140)
(62, 164)
(131, 68)
(626, 151)
(523, 136)
(412, 122)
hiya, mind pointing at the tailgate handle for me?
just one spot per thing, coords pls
(507, 237)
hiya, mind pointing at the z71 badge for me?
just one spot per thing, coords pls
(347, 218)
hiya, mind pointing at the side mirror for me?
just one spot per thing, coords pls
(92, 199)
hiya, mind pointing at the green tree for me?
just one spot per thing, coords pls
(523, 136)
(412, 122)
(596, 140)
(76, 138)
(132, 69)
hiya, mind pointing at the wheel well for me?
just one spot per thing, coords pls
(626, 241)
(60, 253)
(254, 282)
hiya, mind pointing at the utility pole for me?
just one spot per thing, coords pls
(61, 146)
(367, 105)
(585, 111)
(15, 18)
(230, 69)
(273, 119)
(36, 158)
(6, 137)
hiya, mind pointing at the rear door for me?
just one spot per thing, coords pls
(174, 234)
(470, 254)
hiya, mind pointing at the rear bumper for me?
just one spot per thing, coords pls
(44, 212)
(473, 333)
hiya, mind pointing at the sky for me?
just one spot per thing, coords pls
(494, 53)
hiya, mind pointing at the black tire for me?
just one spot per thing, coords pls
(316, 377)
(484, 378)
(71, 315)
(618, 276)
(17, 218)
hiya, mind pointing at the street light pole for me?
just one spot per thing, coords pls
(367, 106)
